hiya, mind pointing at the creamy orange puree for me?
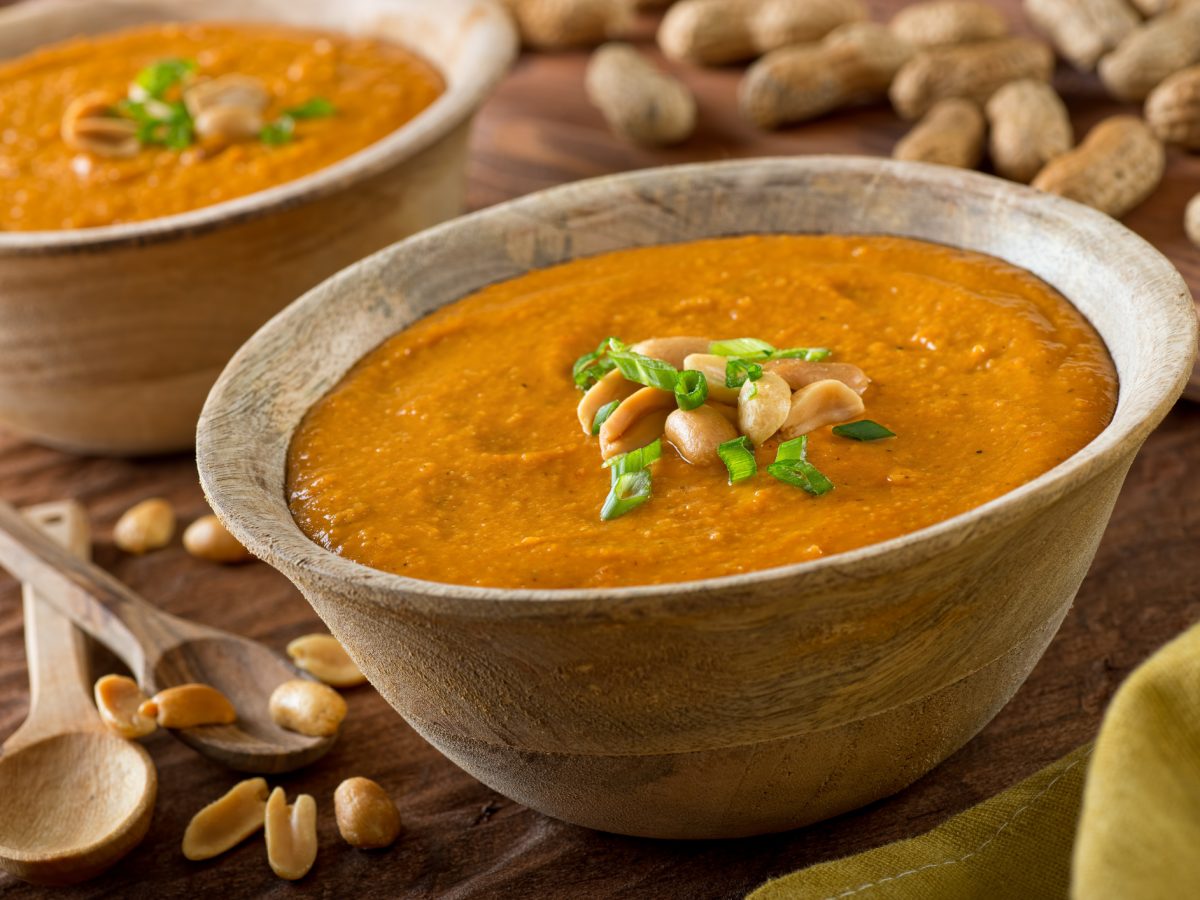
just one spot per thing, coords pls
(375, 87)
(452, 451)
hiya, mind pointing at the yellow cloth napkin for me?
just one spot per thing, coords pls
(1136, 838)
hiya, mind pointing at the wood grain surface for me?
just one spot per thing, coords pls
(462, 840)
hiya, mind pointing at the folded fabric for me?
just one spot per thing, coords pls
(1137, 836)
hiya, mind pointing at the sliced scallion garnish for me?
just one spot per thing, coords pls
(641, 458)
(281, 130)
(316, 108)
(808, 354)
(863, 430)
(591, 367)
(602, 415)
(748, 348)
(645, 369)
(737, 370)
(738, 456)
(158, 78)
(792, 467)
(628, 492)
(691, 389)
(796, 448)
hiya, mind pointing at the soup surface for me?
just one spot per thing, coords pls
(318, 97)
(452, 452)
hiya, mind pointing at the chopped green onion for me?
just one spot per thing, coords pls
(863, 430)
(628, 492)
(750, 348)
(316, 108)
(634, 460)
(738, 456)
(278, 132)
(808, 354)
(738, 370)
(691, 389)
(163, 75)
(602, 415)
(792, 467)
(160, 123)
(591, 367)
(645, 369)
(796, 448)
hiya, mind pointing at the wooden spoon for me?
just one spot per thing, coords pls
(76, 796)
(163, 650)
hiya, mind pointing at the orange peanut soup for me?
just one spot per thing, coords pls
(452, 452)
(364, 89)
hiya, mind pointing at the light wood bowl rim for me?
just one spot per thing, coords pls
(466, 89)
(1140, 409)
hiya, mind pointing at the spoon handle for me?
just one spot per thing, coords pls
(59, 699)
(94, 600)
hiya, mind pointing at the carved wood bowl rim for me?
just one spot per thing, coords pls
(483, 27)
(231, 429)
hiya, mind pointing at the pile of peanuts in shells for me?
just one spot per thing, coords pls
(367, 816)
(949, 66)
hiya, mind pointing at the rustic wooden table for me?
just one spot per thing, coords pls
(463, 840)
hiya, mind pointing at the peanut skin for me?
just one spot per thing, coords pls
(940, 23)
(975, 71)
(1118, 165)
(638, 101)
(950, 134)
(1029, 127)
(1082, 30)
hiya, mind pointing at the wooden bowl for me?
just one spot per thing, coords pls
(111, 337)
(734, 705)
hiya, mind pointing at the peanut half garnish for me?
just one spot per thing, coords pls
(90, 124)
(820, 403)
(228, 107)
(207, 538)
(226, 821)
(798, 373)
(612, 386)
(323, 657)
(291, 831)
(697, 433)
(367, 816)
(145, 526)
(712, 367)
(189, 705)
(307, 707)
(763, 406)
(639, 419)
(118, 699)
(673, 350)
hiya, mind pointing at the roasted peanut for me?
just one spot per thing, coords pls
(763, 406)
(639, 102)
(291, 832)
(1029, 127)
(611, 386)
(975, 71)
(307, 707)
(189, 705)
(1151, 53)
(366, 814)
(1082, 30)
(557, 24)
(323, 657)
(232, 90)
(227, 821)
(118, 699)
(673, 350)
(712, 367)
(1191, 220)
(1116, 167)
(229, 123)
(937, 23)
(821, 403)
(145, 526)
(799, 373)
(715, 32)
(91, 125)
(1152, 8)
(207, 538)
(636, 422)
(696, 434)
(854, 64)
(1173, 109)
(950, 134)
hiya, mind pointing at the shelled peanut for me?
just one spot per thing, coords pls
(145, 526)
(559, 24)
(1149, 54)
(939, 23)
(1191, 220)
(1029, 126)
(950, 134)
(1083, 30)
(638, 101)
(1173, 109)
(854, 64)
(1116, 167)
(715, 32)
(974, 71)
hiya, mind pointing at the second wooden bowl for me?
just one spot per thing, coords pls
(736, 705)
(111, 337)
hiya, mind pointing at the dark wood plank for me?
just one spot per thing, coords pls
(464, 841)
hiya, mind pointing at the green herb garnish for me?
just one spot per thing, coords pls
(863, 430)
(691, 389)
(158, 78)
(628, 492)
(808, 354)
(316, 108)
(645, 369)
(278, 132)
(160, 123)
(602, 415)
(283, 129)
(754, 349)
(641, 458)
(737, 370)
(591, 367)
(738, 456)
(792, 467)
